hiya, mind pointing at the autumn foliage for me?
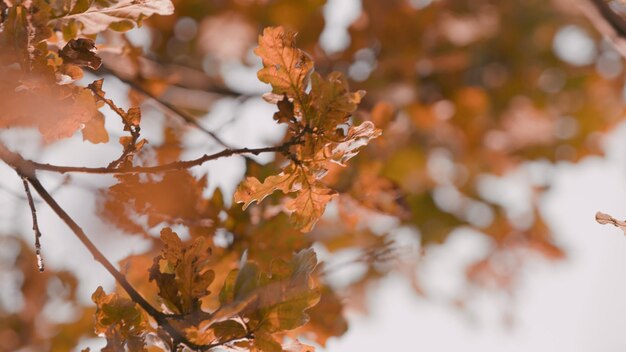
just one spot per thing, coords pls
(458, 93)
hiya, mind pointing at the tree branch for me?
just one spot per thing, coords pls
(24, 170)
(177, 165)
(129, 124)
(607, 22)
(33, 212)
(186, 117)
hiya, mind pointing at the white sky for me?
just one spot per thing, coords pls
(576, 305)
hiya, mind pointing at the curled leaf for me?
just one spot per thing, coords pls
(357, 138)
(81, 52)
(604, 219)
(121, 15)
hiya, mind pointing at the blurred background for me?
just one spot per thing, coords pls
(468, 225)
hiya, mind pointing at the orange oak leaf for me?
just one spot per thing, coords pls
(120, 320)
(252, 190)
(332, 102)
(285, 67)
(94, 130)
(309, 205)
(358, 137)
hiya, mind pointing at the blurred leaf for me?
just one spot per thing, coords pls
(121, 15)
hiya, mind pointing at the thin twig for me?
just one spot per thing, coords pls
(186, 117)
(33, 212)
(177, 165)
(129, 125)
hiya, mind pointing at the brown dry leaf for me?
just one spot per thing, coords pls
(174, 198)
(120, 320)
(285, 67)
(309, 206)
(357, 138)
(81, 52)
(604, 219)
(332, 101)
(119, 15)
(182, 272)
(94, 130)
(58, 113)
(252, 190)
(285, 112)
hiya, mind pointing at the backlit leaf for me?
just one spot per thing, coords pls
(332, 101)
(94, 130)
(252, 190)
(120, 320)
(309, 206)
(182, 272)
(285, 67)
(119, 15)
(357, 138)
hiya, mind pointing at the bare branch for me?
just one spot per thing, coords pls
(177, 165)
(183, 115)
(129, 125)
(24, 170)
(607, 22)
(33, 212)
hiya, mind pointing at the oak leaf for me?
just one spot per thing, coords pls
(228, 330)
(96, 16)
(94, 130)
(285, 111)
(332, 102)
(182, 272)
(252, 190)
(285, 67)
(120, 320)
(60, 111)
(265, 343)
(81, 52)
(357, 138)
(308, 206)
(318, 117)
